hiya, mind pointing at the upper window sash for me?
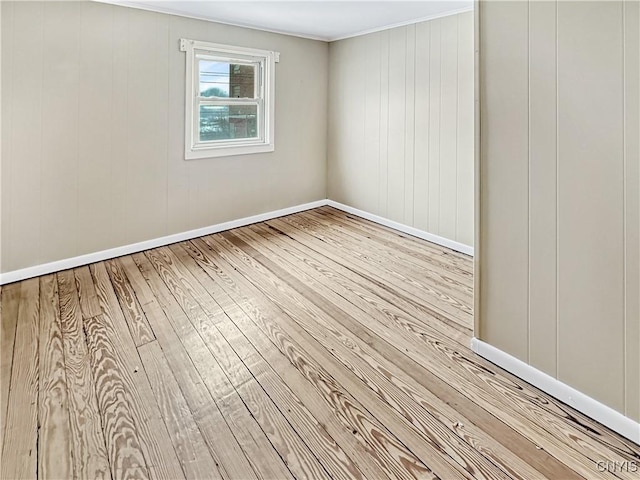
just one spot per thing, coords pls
(258, 64)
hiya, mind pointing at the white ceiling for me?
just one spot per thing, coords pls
(321, 20)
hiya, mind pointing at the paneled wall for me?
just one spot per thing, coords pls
(93, 129)
(401, 125)
(560, 176)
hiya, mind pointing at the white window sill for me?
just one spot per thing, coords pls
(228, 151)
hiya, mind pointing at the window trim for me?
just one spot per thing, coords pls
(265, 101)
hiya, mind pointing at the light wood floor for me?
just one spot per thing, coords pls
(317, 345)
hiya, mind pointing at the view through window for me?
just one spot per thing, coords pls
(220, 80)
(229, 100)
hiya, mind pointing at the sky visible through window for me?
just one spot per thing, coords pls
(214, 78)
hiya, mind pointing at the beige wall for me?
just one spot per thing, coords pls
(560, 176)
(92, 131)
(401, 125)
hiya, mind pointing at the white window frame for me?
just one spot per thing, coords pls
(265, 96)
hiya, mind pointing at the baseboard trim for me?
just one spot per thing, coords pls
(43, 269)
(445, 242)
(609, 417)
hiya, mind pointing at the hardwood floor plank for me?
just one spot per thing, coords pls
(206, 318)
(472, 417)
(90, 458)
(469, 413)
(187, 440)
(303, 409)
(410, 293)
(250, 437)
(9, 300)
(433, 297)
(115, 403)
(265, 356)
(20, 448)
(170, 329)
(471, 435)
(459, 286)
(89, 304)
(513, 397)
(404, 241)
(54, 440)
(394, 309)
(379, 285)
(135, 319)
(443, 257)
(334, 459)
(198, 400)
(397, 457)
(324, 327)
(153, 436)
(284, 429)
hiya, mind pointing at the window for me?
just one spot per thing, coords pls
(229, 100)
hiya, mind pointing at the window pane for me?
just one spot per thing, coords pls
(224, 79)
(228, 122)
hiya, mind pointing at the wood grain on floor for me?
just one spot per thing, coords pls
(317, 345)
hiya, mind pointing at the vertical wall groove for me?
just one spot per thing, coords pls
(455, 226)
(528, 183)
(631, 91)
(413, 173)
(40, 127)
(557, 203)
(624, 208)
(438, 216)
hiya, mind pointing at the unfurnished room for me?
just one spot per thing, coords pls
(320, 239)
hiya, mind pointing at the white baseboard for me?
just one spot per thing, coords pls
(37, 270)
(43, 269)
(617, 422)
(445, 242)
